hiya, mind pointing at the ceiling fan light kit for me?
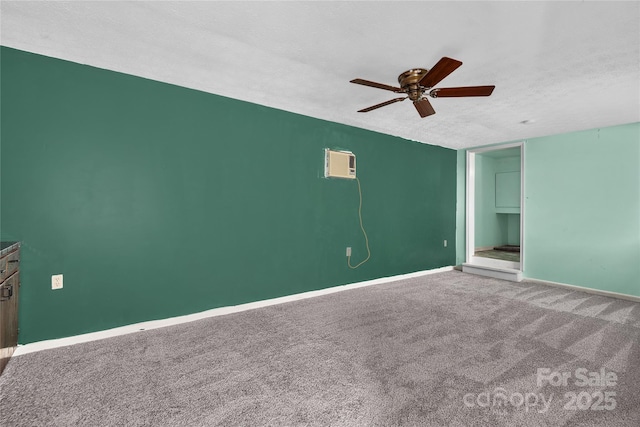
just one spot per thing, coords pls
(418, 83)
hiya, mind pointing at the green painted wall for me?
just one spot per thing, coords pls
(488, 229)
(155, 200)
(582, 217)
(513, 229)
(461, 206)
(493, 228)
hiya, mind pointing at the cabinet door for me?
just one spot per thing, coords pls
(8, 318)
(4, 328)
(508, 189)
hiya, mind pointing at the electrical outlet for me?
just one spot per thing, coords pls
(445, 243)
(348, 251)
(56, 281)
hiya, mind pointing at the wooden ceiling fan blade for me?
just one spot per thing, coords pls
(377, 85)
(373, 107)
(462, 91)
(442, 69)
(424, 107)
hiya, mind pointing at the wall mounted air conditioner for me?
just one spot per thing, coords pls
(339, 164)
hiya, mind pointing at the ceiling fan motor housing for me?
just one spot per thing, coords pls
(410, 82)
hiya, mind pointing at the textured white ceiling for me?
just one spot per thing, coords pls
(565, 66)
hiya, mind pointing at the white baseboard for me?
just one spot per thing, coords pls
(154, 324)
(583, 289)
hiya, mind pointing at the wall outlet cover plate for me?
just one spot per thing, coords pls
(56, 281)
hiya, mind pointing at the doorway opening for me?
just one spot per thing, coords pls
(495, 189)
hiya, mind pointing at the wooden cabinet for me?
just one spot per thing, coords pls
(9, 291)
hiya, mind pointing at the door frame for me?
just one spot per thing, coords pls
(470, 257)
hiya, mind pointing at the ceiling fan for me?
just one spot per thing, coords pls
(417, 81)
